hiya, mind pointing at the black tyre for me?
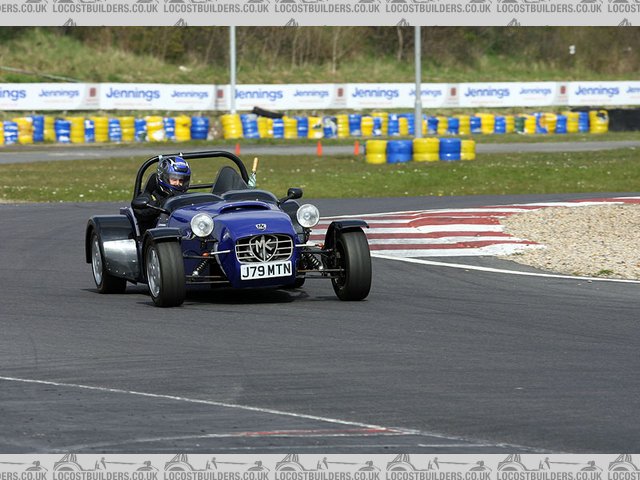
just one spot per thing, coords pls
(353, 257)
(164, 268)
(105, 282)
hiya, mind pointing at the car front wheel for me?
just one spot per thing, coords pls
(353, 258)
(165, 274)
(105, 282)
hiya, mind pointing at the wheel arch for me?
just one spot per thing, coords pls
(338, 226)
(108, 227)
(163, 234)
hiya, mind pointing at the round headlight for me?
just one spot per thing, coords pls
(202, 225)
(308, 215)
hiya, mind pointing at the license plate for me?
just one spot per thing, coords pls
(265, 270)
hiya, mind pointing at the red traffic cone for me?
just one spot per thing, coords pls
(238, 149)
(319, 148)
(356, 148)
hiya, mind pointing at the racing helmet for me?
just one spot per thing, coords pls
(174, 175)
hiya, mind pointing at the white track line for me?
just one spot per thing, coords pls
(405, 431)
(500, 270)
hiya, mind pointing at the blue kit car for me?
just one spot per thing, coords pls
(225, 235)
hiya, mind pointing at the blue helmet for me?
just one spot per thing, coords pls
(174, 175)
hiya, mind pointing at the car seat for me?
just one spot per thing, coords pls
(228, 179)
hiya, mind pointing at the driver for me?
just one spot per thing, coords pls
(172, 178)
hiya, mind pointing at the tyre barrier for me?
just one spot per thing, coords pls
(25, 130)
(200, 128)
(183, 128)
(383, 120)
(450, 149)
(265, 127)
(127, 127)
(487, 123)
(330, 127)
(342, 123)
(139, 129)
(278, 128)
(101, 125)
(249, 123)
(77, 129)
(443, 125)
(169, 125)
(355, 125)
(115, 130)
(399, 151)
(598, 121)
(426, 149)
(550, 122)
(419, 150)
(376, 151)
(377, 126)
(583, 122)
(42, 128)
(511, 123)
(290, 128)
(476, 124)
(302, 124)
(10, 132)
(231, 126)
(561, 124)
(63, 130)
(572, 121)
(393, 125)
(89, 131)
(432, 125)
(453, 126)
(403, 126)
(366, 125)
(315, 128)
(530, 124)
(38, 128)
(464, 124)
(49, 131)
(410, 122)
(467, 150)
(155, 128)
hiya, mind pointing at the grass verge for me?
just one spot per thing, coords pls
(347, 176)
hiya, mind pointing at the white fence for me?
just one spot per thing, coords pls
(329, 96)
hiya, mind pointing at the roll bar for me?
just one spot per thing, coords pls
(137, 189)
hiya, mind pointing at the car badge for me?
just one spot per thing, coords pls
(261, 226)
(263, 247)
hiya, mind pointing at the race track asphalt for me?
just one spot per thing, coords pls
(435, 360)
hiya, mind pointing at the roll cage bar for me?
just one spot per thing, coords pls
(137, 190)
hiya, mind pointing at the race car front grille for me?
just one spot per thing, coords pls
(264, 248)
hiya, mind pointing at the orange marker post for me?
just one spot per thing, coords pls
(238, 149)
(356, 148)
(319, 148)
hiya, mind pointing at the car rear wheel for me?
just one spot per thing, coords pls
(353, 258)
(105, 282)
(165, 273)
